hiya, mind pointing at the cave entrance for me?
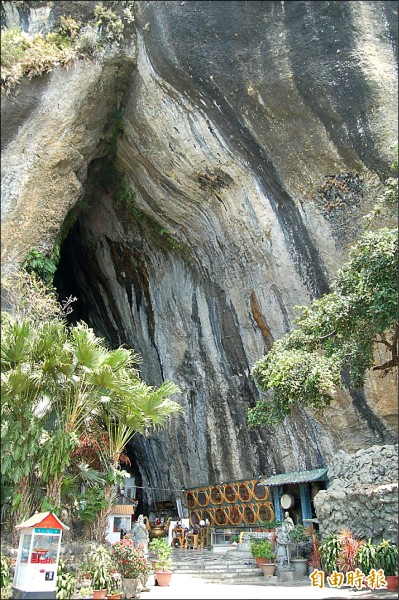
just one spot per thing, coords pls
(78, 275)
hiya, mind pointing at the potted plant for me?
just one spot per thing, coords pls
(132, 565)
(366, 557)
(315, 557)
(114, 594)
(85, 593)
(100, 572)
(262, 550)
(387, 560)
(297, 535)
(162, 563)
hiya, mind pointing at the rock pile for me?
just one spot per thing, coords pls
(362, 495)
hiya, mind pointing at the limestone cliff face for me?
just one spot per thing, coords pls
(240, 120)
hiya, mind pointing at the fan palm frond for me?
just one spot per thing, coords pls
(16, 382)
(15, 345)
(90, 476)
(156, 405)
(88, 350)
(121, 358)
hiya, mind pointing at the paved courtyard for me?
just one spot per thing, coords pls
(187, 587)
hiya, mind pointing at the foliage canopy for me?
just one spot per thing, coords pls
(60, 387)
(334, 340)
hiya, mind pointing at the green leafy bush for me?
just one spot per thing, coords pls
(43, 267)
(91, 503)
(5, 576)
(66, 582)
(297, 535)
(100, 565)
(387, 557)
(262, 548)
(162, 551)
(329, 551)
(334, 341)
(366, 557)
(24, 54)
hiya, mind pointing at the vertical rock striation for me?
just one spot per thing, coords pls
(240, 119)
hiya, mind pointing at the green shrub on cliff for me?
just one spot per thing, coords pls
(42, 266)
(334, 342)
(24, 54)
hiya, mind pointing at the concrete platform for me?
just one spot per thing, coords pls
(186, 587)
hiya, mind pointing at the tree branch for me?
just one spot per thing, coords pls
(390, 364)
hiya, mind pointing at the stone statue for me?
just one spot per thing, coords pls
(288, 521)
(140, 535)
(283, 542)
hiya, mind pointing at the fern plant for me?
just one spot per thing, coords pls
(43, 267)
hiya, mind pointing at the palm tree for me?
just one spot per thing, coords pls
(25, 383)
(103, 387)
(58, 382)
(141, 409)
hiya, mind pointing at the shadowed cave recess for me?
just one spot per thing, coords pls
(118, 293)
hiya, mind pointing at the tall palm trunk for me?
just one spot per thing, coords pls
(100, 525)
(53, 491)
(24, 509)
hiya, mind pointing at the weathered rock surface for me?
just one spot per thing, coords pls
(240, 120)
(362, 495)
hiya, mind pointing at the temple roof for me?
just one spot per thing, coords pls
(296, 477)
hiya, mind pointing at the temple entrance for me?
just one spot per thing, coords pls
(294, 493)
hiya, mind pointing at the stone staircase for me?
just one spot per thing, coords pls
(216, 566)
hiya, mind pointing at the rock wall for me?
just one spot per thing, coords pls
(362, 495)
(240, 123)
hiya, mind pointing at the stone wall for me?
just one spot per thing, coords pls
(362, 495)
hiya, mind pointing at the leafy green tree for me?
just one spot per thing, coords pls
(335, 338)
(24, 385)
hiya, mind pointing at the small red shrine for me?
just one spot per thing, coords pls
(38, 556)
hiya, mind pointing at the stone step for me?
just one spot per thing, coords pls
(215, 577)
(201, 561)
(211, 560)
(264, 581)
(215, 565)
(219, 572)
